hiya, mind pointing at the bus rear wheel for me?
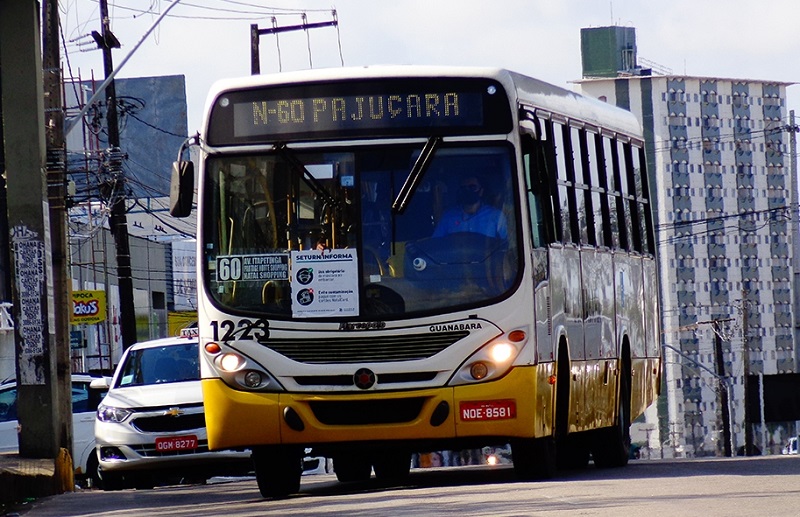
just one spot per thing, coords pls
(534, 458)
(612, 445)
(278, 471)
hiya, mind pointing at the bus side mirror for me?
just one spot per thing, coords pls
(181, 192)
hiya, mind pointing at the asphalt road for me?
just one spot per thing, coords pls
(752, 486)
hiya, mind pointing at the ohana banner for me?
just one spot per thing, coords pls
(88, 307)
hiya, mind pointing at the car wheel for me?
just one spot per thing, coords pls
(111, 481)
(143, 481)
(93, 471)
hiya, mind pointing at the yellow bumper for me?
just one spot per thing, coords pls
(245, 419)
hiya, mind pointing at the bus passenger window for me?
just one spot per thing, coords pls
(642, 197)
(582, 199)
(566, 191)
(631, 210)
(537, 185)
(598, 190)
(618, 199)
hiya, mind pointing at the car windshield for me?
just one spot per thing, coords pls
(159, 365)
(301, 234)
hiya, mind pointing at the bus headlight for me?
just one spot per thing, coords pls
(479, 371)
(230, 362)
(239, 371)
(490, 362)
(502, 352)
(253, 379)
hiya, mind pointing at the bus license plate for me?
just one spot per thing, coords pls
(488, 410)
(176, 443)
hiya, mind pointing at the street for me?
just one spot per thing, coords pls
(707, 487)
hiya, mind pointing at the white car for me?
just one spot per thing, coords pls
(150, 426)
(84, 406)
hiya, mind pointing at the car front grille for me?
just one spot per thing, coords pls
(169, 423)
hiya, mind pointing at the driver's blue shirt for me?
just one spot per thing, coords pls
(488, 221)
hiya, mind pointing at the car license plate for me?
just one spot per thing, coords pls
(176, 443)
(488, 410)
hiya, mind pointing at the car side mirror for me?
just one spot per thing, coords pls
(101, 383)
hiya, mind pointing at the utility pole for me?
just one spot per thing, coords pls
(56, 195)
(256, 33)
(114, 187)
(748, 429)
(794, 227)
(723, 389)
(24, 141)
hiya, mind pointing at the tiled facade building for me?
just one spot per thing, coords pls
(718, 156)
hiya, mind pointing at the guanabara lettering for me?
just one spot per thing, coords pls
(450, 327)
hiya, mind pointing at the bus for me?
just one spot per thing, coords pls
(408, 259)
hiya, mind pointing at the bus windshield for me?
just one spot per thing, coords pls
(311, 233)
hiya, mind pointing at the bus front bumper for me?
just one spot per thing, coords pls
(518, 405)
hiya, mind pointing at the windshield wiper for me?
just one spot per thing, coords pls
(415, 176)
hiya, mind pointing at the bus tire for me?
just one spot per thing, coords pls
(352, 466)
(534, 458)
(391, 466)
(573, 452)
(612, 445)
(278, 471)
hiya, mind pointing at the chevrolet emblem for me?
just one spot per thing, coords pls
(174, 411)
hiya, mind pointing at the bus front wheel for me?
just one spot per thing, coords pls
(278, 470)
(392, 466)
(534, 458)
(352, 466)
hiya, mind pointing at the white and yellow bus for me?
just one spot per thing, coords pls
(406, 259)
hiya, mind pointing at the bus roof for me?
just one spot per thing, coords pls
(528, 90)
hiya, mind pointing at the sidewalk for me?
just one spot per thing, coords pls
(25, 478)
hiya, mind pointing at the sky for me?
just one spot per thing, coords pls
(207, 40)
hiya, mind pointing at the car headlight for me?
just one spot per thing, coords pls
(112, 414)
(492, 361)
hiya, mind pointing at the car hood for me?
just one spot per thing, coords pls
(155, 395)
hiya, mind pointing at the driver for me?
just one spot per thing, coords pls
(472, 214)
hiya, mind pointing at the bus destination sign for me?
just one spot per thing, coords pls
(359, 110)
(409, 110)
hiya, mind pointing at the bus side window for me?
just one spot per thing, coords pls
(643, 200)
(629, 192)
(536, 180)
(616, 202)
(565, 188)
(578, 177)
